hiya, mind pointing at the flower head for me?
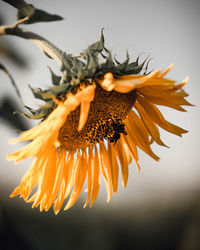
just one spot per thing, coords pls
(95, 117)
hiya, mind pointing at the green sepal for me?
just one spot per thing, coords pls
(58, 91)
(135, 68)
(66, 61)
(95, 48)
(108, 64)
(122, 66)
(36, 114)
(41, 94)
(40, 113)
(91, 65)
(78, 68)
(54, 78)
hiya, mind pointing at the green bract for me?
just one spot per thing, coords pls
(90, 65)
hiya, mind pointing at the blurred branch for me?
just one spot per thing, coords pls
(32, 14)
(7, 109)
(48, 48)
(12, 81)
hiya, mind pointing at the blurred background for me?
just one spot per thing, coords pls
(160, 208)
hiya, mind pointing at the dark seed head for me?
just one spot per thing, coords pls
(105, 120)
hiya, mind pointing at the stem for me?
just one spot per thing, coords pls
(47, 47)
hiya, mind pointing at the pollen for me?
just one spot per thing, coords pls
(105, 120)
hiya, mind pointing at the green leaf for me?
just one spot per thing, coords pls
(39, 16)
(36, 114)
(24, 8)
(35, 15)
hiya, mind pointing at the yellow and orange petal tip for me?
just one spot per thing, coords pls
(167, 69)
(138, 167)
(84, 111)
(11, 157)
(13, 141)
(185, 81)
(15, 192)
(108, 76)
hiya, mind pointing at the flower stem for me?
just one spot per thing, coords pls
(47, 47)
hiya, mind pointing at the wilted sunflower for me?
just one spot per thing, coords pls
(96, 116)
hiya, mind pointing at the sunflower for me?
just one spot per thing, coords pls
(95, 117)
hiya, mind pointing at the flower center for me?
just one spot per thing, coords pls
(105, 120)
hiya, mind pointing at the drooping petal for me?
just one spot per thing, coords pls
(89, 166)
(46, 179)
(126, 84)
(120, 151)
(105, 164)
(67, 170)
(85, 107)
(114, 167)
(167, 70)
(95, 177)
(58, 179)
(149, 124)
(137, 131)
(79, 179)
(133, 149)
(158, 118)
(86, 98)
(30, 179)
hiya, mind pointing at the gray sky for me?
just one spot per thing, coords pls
(169, 30)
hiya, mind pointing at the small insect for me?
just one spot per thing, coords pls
(115, 137)
(118, 128)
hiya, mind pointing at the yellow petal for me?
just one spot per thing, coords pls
(105, 163)
(89, 190)
(72, 173)
(58, 179)
(85, 97)
(133, 149)
(137, 131)
(95, 177)
(79, 180)
(84, 111)
(158, 118)
(114, 167)
(166, 70)
(149, 124)
(124, 86)
(66, 178)
(46, 178)
(123, 161)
